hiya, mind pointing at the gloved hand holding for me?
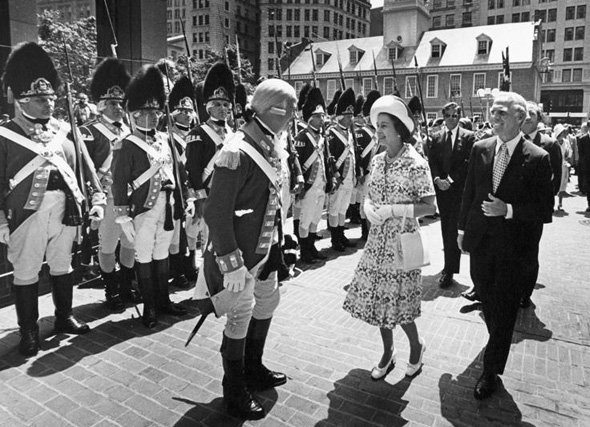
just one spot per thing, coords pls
(399, 210)
(235, 281)
(190, 208)
(371, 213)
(96, 213)
(4, 234)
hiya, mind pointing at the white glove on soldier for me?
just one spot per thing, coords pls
(235, 281)
(96, 213)
(4, 234)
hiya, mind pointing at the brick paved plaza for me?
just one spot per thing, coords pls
(122, 374)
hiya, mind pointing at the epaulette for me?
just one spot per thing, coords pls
(229, 156)
(192, 137)
(86, 134)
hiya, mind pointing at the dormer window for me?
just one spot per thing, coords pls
(394, 50)
(484, 44)
(355, 55)
(321, 57)
(392, 53)
(437, 48)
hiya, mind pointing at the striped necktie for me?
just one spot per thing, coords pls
(502, 159)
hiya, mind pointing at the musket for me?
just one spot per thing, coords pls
(116, 43)
(239, 60)
(277, 57)
(342, 82)
(395, 89)
(418, 78)
(189, 71)
(315, 79)
(375, 70)
(505, 86)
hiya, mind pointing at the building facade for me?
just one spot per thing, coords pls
(453, 63)
(564, 65)
(70, 10)
(287, 22)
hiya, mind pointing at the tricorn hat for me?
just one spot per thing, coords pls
(332, 106)
(371, 98)
(346, 103)
(314, 104)
(29, 71)
(219, 84)
(146, 90)
(415, 105)
(181, 95)
(241, 99)
(109, 81)
(303, 95)
(358, 105)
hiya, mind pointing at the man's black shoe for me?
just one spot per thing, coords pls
(485, 386)
(471, 295)
(525, 302)
(445, 281)
(261, 378)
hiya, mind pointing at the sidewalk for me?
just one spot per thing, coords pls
(122, 374)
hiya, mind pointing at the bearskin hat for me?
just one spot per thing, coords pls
(146, 89)
(241, 100)
(303, 95)
(109, 81)
(371, 98)
(29, 71)
(346, 103)
(331, 109)
(181, 95)
(314, 103)
(415, 105)
(219, 84)
(358, 105)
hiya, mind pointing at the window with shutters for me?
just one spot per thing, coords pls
(479, 82)
(456, 85)
(387, 85)
(431, 86)
(367, 86)
(411, 86)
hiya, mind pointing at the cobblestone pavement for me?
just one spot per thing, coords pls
(122, 374)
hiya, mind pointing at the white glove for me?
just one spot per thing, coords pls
(129, 230)
(371, 212)
(96, 213)
(388, 211)
(4, 234)
(190, 209)
(235, 281)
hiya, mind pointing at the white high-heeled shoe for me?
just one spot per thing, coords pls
(379, 373)
(414, 368)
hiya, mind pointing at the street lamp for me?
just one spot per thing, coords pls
(488, 94)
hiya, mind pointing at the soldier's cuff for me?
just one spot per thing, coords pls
(99, 198)
(230, 262)
(201, 194)
(191, 194)
(300, 179)
(121, 211)
(3, 220)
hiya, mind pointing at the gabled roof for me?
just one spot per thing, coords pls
(460, 51)
(436, 40)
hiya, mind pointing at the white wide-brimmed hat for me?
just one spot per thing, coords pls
(395, 106)
(558, 130)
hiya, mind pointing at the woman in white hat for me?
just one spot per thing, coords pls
(560, 133)
(382, 293)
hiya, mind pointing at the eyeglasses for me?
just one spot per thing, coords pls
(454, 116)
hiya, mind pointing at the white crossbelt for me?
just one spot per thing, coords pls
(146, 176)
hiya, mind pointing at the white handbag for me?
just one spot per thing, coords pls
(413, 249)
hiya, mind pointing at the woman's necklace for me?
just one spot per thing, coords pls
(389, 160)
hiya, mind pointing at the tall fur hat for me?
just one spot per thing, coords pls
(415, 105)
(181, 95)
(314, 103)
(371, 98)
(332, 106)
(358, 105)
(219, 84)
(346, 103)
(109, 81)
(29, 71)
(146, 90)
(241, 99)
(303, 95)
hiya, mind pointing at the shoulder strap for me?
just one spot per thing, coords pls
(144, 146)
(105, 131)
(261, 162)
(212, 134)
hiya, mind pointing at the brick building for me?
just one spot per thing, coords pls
(454, 63)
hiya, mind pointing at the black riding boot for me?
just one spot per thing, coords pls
(163, 303)
(258, 376)
(26, 302)
(305, 253)
(176, 270)
(111, 292)
(191, 272)
(296, 229)
(148, 293)
(337, 244)
(238, 400)
(345, 242)
(62, 292)
(126, 289)
(312, 249)
(365, 229)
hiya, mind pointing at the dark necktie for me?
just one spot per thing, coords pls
(151, 132)
(450, 140)
(117, 124)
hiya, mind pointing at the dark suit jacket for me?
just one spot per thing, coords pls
(445, 161)
(584, 152)
(552, 147)
(526, 185)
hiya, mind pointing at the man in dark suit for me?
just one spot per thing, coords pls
(529, 129)
(508, 192)
(448, 158)
(584, 164)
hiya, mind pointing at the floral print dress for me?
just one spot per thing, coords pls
(381, 294)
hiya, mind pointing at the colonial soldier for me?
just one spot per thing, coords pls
(243, 215)
(182, 266)
(300, 124)
(341, 143)
(354, 209)
(206, 140)
(421, 141)
(103, 138)
(241, 101)
(40, 197)
(310, 147)
(366, 147)
(145, 164)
